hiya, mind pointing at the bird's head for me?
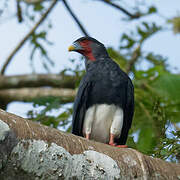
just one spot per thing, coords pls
(89, 47)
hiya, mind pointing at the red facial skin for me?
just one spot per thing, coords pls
(87, 52)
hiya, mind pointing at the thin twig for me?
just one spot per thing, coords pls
(33, 1)
(17, 48)
(75, 18)
(145, 110)
(134, 58)
(132, 16)
(19, 12)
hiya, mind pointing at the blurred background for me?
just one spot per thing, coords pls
(39, 78)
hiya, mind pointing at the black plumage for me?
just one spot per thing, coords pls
(103, 83)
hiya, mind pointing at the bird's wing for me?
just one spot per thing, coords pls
(128, 113)
(80, 107)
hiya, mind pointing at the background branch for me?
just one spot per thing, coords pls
(19, 11)
(38, 80)
(134, 58)
(33, 1)
(17, 48)
(29, 94)
(132, 16)
(75, 18)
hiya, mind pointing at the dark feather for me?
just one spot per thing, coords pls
(104, 83)
(128, 114)
(80, 107)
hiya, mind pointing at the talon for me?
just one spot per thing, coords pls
(119, 146)
(112, 144)
(122, 146)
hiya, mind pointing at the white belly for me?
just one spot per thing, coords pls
(101, 120)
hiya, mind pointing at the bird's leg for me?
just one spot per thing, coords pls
(111, 142)
(87, 136)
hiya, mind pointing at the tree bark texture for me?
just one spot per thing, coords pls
(29, 94)
(37, 80)
(26, 88)
(32, 151)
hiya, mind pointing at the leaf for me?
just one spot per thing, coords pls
(176, 24)
(128, 41)
(38, 7)
(168, 85)
(141, 32)
(152, 9)
(147, 29)
(146, 140)
(41, 35)
(156, 59)
(117, 57)
(131, 143)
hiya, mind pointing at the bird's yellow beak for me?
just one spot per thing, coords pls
(71, 48)
(75, 47)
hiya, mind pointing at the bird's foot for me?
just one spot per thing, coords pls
(122, 146)
(119, 146)
(111, 142)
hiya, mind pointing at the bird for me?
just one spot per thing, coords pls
(104, 105)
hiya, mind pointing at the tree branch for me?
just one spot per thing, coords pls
(17, 48)
(33, 1)
(75, 18)
(29, 94)
(32, 151)
(38, 80)
(134, 58)
(132, 16)
(19, 11)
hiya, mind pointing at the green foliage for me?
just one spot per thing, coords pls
(47, 106)
(157, 96)
(37, 40)
(169, 148)
(143, 31)
(176, 24)
(118, 58)
(168, 85)
(157, 102)
(156, 60)
(38, 7)
(152, 9)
